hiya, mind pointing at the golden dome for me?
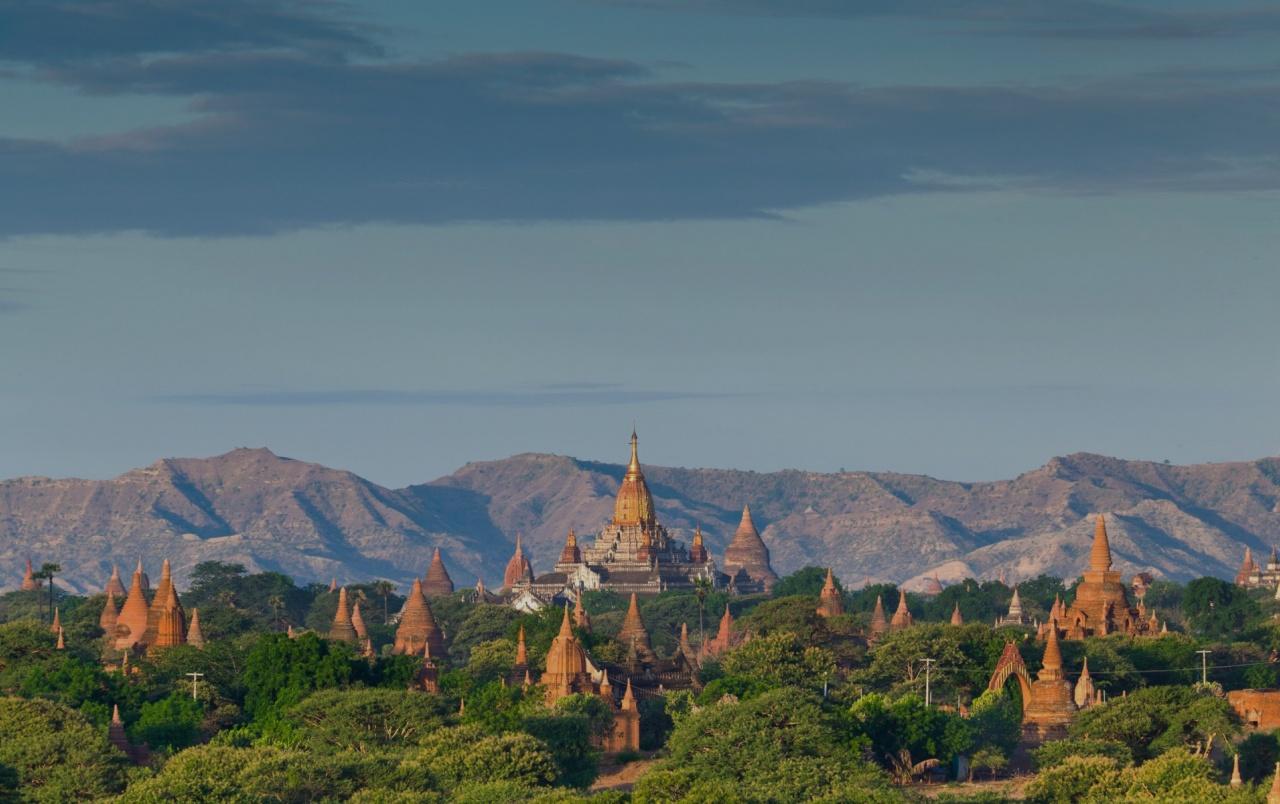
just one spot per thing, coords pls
(635, 503)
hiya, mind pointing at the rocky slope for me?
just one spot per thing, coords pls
(312, 522)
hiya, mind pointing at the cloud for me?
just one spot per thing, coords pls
(608, 395)
(305, 134)
(1076, 19)
(68, 31)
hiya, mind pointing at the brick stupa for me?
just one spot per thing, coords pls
(830, 601)
(746, 559)
(417, 626)
(634, 637)
(131, 624)
(437, 583)
(342, 630)
(518, 571)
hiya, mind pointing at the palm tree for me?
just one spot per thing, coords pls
(702, 588)
(276, 602)
(904, 771)
(47, 571)
(384, 589)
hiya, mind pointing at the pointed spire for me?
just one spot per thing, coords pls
(580, 618)
(1084, 693)
(110, 614)
(62, 645)
(685, 647)
(878, 622)
(57, 620)
(902, 617)
(131, 623)
(1100, 555)
(634, 503)
(748, 552)
(342, 630)
(357, 622)
(195, 637)
(417, 624)
(1051, 665)
(566, 630)
(29, 582)
(1236, 781)
(1015, 606)
(830, 603)
(518, 568)
(628, 699)
(170, 625)
(114, 584)
(115, 732)
(333, 584)
(522, 652)
(571, 554)
(438, 583)
(633, 632)
(956, 617)
(698, 550)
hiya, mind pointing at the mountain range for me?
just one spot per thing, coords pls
(315, 523)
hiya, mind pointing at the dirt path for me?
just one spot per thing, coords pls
(621, 777)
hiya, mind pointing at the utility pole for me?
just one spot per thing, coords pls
(195, 679)
(1204, 665)
(927, 664)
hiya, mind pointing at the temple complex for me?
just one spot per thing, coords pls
(1253, 576)
(1048, 703)
(140, 625)
(1016, 616)
(1101, 605)
(437, 583)
(632, 554)
(746, 559)
(830, 601)
(570, 671)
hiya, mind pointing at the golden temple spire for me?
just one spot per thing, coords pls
(1100, 555)
(634, 505)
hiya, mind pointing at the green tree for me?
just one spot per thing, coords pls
(1154, 719)
(56, 753)
(1069, 781)
(280, 671)
(806, 582)
(780, 659)
(448, 758)
(1216, 609)
(173, 722)
(366, 720)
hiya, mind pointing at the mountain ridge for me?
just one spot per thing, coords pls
(315, 522)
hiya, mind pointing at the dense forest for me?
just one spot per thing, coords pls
(803, 709)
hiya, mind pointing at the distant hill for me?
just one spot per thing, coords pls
(314, 523)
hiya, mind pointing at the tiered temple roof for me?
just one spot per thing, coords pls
(437, 583)
(1052, 705)
(417, 625)
(171, 628)
(830, 601)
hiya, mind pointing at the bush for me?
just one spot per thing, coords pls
(1056, 752)
(1070, 780)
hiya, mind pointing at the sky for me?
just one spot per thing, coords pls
(948, 237)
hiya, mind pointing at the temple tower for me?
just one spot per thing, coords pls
(110, 615)
(581, 620)
(171, 627)
(114, 585)
(902, 617)
(633, 635)
(417, 625)
(438, 583)
(1084, 691)
(518, 571)
(748, 554)
(956, 617)
(570, 555)
(195, 636)
(1049, 711)
(29, 582)
(357, 622)
(342, 629)
(566, 665)
(830, 601)
(698, 550)
(132, 622)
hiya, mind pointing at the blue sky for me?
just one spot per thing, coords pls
(954, 238)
